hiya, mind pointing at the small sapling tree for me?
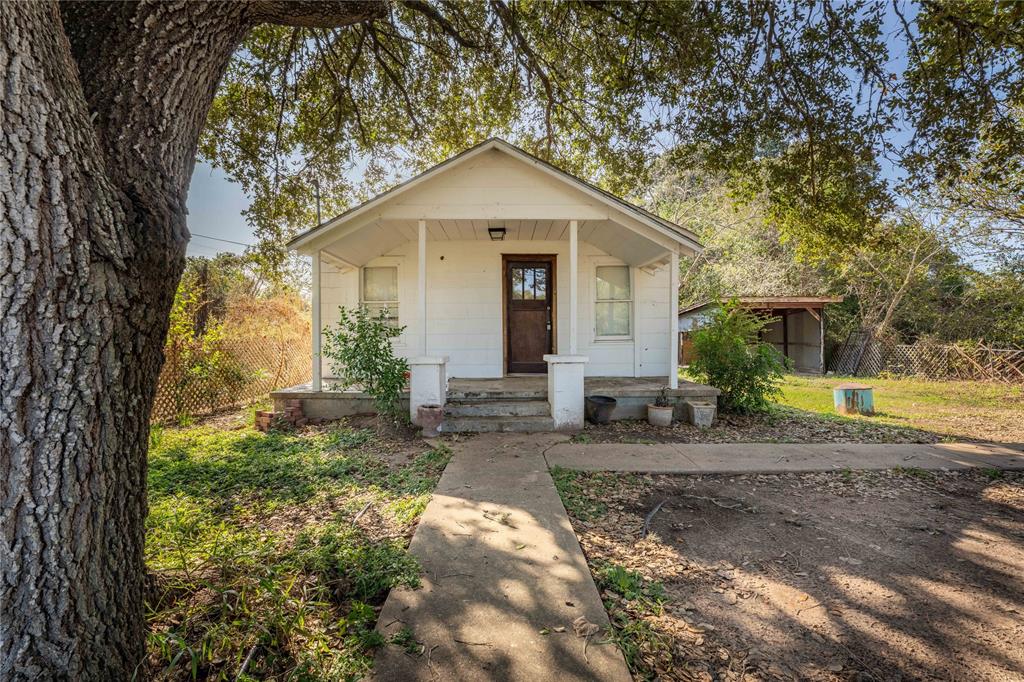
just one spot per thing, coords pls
(731, 357)
(359, 348)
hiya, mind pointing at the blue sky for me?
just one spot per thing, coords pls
(215, 206)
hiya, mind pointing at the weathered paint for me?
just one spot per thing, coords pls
(853, 399)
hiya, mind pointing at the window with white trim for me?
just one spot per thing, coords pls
(379, 291)
(613, 302)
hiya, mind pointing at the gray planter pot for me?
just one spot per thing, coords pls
(660, 416)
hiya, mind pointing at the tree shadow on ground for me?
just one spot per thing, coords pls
(503, 584)
(225, 469)
(868, 576)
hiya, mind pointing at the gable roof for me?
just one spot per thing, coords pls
(666, 227)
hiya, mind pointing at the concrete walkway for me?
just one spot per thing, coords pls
(504, 576)
(502, 568)
(742, 458)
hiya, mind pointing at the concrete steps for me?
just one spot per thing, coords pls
(498, 408)
(514, 424)
(498, 413)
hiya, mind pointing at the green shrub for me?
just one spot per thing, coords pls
(359, 348)
(730, 357)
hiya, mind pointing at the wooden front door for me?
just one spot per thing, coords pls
(529, 310)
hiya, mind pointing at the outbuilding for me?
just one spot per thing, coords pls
(796, 327)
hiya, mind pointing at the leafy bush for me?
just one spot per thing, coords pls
(359, 348)
(730, 357)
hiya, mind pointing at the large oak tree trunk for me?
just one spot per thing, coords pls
(100, 112)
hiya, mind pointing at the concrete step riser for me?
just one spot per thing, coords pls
(499, 408)
(498, 425)
(474, 396)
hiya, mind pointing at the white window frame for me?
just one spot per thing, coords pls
(613, 338)
(398, 286)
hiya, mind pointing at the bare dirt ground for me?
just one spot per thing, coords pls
(898, 575)
(781, 425)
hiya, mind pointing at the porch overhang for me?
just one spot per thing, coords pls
(466, 211)
(632, 244)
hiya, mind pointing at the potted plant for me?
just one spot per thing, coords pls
(659, 413)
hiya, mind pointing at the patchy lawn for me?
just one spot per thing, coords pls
(955, 410)
(839, 576)
(258, 566)
(909, 411)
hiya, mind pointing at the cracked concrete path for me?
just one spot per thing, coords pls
(502, 567)
(767, 458)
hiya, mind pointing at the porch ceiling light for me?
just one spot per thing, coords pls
(497, 233)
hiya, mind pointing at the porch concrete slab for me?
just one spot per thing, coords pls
(536, 387)
(740, 458)
(501, 565)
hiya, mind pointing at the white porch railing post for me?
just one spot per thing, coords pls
(421, 301)
(673, 319)
(574, 279)
(565, 390)
(428, 384)
(317, 380)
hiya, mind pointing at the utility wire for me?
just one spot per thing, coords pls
(227, 241)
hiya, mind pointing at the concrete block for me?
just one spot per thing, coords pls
(700, 413)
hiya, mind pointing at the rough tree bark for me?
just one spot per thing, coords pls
(101, 106)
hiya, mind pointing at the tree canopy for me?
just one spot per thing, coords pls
(806, 105)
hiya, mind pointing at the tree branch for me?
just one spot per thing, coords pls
(316, 13)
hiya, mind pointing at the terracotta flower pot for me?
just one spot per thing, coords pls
(660, 416)
(430, 418)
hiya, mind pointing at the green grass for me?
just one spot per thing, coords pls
(954, 409)
(251, 548)
(640, 599)
(914, 472)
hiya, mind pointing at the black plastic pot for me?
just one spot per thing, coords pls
(599, 408)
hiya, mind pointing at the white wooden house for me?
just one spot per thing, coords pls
(502, 268)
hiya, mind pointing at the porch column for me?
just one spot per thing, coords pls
(673, 319)
(565, 390)
(317, 381)
(574, 280)
(428, 384)
(421, 301)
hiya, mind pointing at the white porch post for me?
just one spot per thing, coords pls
(565, 390)
(574, 279)
(421, 301)
(315, 290)
(673, 319)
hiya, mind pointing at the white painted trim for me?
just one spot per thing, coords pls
(602, 261)
(421, 294)
(341, 263)
(673, 320)
(619, 206)
(317, 383)
(574, 285)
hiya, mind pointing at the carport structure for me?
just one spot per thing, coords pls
(796, 328)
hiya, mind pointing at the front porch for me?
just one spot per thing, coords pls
(507, 397)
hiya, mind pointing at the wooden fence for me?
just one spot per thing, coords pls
(248, 370)
(863, 355)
